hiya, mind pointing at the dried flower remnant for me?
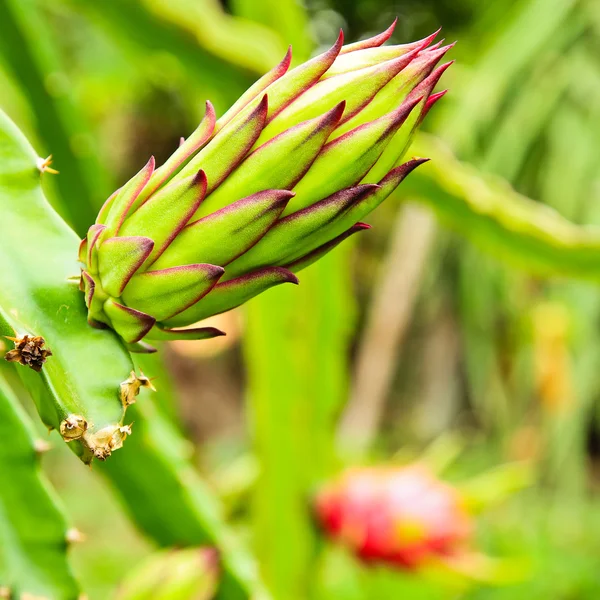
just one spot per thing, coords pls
(28, 351)
(73, 427)
(131, 387)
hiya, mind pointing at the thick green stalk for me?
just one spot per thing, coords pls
(77, 389)
(33, 528)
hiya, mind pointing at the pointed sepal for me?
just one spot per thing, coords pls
(94, 302)
(167, 212)
(141, 348)
(357, 210)
(224, 235)
(265, 169)
(126, 200)
(132, 325)
(430, 103)
(397, 91)
(318, 253)
(401, 141)
(357, 89)
(92, 239)
(195, 333)
(257, 89)
(103, 212)
(187, 148)
(366, 57)
(287, 88)
(166, 292)
(229, 147)
(372, 42)
(231, 294)
(119, 258)
(291, 236)
(82, 252)
(346, 160)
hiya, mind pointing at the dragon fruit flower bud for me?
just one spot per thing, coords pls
(250, 199)
(399, 516)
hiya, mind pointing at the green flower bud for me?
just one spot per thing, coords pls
(249, 200)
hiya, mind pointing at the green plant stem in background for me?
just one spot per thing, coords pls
(29, 53)
(295, 349)
(138, 33)
(528, 27)
(33, 528)
(287, 17)
(238, 41)
(485, 210)
(296, 346)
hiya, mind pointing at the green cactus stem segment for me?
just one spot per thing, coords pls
(30, 565)
(83, 375)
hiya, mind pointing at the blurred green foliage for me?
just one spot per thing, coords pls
(101, 85)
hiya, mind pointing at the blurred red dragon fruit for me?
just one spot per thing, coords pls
(401, 516)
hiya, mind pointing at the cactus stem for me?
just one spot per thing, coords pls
(28, 351)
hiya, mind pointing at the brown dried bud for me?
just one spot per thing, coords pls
(73, 427)
(28, 351)
(103, 442)
(130, 388)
